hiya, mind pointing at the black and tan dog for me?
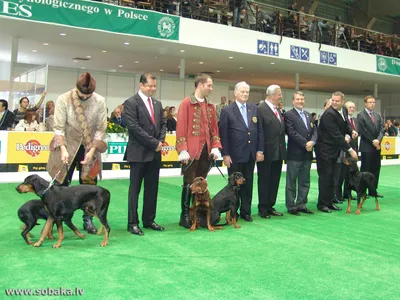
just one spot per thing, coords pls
(201, 206)
(33, 210)
(61, 203)
(227, 201)
(360, 182)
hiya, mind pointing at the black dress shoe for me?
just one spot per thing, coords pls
(247, 218)
(135, 229)
(334, 207)
(325, 210)
(293, 212)
(338, 201)
(264, 214)
(275, 213)
(306, 211)
(154, 226)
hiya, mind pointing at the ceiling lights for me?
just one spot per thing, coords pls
(34, 50)
(182, 51)
(200, 62)
(104, 51)
(230, 57)
(63, 34)
(121, 66)
(45, 44)
(126, 43)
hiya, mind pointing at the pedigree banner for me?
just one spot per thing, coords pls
(28, 147)
(388, 145)
(94, 15)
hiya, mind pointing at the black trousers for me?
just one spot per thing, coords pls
(76, 163)
(196, 168)
(325, 169)
(149, 172)
(246, 190)
(269, 175)
(371, 162)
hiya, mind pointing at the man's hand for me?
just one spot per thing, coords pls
(354, 154)
(309, 146)
(64, 154)
(158, 149)
(259, 156)
(184, 157)
(227, 161)
(376, 143)
(354, 134)
(88, 157)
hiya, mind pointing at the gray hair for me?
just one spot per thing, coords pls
(300, 93)
(271, 90)
(240, 84)
(348, 103)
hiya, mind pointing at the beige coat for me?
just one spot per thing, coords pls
(77, 123)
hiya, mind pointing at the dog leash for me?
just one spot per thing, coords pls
(214, 164)
(54, 178)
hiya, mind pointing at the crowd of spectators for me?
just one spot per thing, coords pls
(290, 22)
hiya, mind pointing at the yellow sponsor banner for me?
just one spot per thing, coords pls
(168, 150)
(28, 147)
(115, 167)
(23, 168)
(388, 145)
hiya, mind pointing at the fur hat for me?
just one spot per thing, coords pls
(86, 84)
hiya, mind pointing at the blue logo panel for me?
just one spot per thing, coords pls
(267, 48)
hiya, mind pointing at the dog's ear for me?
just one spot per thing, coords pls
(38, 183)
(231, 179)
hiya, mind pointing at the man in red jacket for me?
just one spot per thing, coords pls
(197, 139)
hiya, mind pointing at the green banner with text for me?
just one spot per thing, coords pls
(388, 65)
(94, 15)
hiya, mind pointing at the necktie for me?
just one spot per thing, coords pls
(277, 114)
(352, 124)
(304, 119)
(119, 120)
(244, 114)
(371, 113)
(151, 111)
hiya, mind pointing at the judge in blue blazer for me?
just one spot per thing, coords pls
(242, 142)
(302, 136)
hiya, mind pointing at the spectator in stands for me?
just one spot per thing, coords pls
(166, 111)
(324, 29)
(250, 11)
(292, 8)
(28, 123)
(397, 125)
(118, 118)
(220, 106)
(266, 23)
(49, 115)
(391, 129)
(237, 8)
(314, 119)
(171, 121)
(6, 116)
(20, 112)
(312, 29)
(280, 108)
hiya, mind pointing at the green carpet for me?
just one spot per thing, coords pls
(323, 256)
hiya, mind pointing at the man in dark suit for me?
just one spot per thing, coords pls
(344, 175)
(118, 118)
(334, 133)
(242, 143)
(6, 116)
(302, 136)
(146, 124)
(269, 170)
(371, 132)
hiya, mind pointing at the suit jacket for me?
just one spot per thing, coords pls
(144, 136)
(239, 141)
(7, 120)
(298, 135)
(121, 123)
(331, 133)
(274, 133)
(370, 131)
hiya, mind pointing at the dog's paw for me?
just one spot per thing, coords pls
(37, 244)
(357, 212)
(378, 208)
(348, 211)
(103, 244)
(57, 245)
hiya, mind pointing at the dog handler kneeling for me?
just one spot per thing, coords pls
(197, 139)
(80, 122)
